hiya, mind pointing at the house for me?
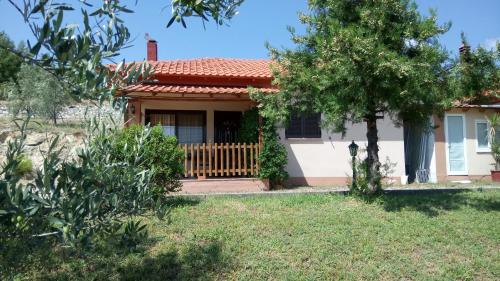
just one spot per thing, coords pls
(201, 101)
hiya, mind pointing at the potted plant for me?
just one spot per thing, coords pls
(494, 123)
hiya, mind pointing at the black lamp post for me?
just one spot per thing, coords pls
(353, 150)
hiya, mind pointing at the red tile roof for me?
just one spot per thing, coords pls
(214, 67)
(207, 76)
(176, 89)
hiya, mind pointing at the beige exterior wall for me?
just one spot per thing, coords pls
(327, 161)
(479, 163)
(208, 106)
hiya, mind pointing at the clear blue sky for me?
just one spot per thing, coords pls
(260, 21)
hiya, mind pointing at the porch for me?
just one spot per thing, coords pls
(208, 132)
(221, 160)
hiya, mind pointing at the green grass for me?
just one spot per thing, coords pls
(301, 237)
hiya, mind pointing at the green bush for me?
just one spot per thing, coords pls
(273, 157)
(160, 154)
(360, 187)
(76, 200)
(249, 128)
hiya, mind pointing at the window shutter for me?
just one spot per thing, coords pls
(294, 130)
(304, 126)
(311, 126)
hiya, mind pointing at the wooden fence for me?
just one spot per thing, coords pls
(221, 159)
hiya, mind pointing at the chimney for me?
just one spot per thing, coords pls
(152, 52)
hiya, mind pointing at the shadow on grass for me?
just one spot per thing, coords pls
(198, 261)
(432, 204)
(181, 201)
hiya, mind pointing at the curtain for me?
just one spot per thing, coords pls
(191, 127)
(166, 120)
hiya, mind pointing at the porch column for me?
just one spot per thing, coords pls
(210, 126)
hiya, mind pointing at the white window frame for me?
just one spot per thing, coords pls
(482, 149)
(464, 124)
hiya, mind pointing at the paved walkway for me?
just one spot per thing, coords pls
(214, 186)
(234, 188)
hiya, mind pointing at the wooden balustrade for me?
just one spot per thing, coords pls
(221, 159)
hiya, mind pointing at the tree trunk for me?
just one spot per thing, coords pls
(373, 162)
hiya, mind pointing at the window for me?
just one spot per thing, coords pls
(187, 126)
(304, 126)
(482, 143)
(482, 136)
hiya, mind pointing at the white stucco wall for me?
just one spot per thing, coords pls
(326, 158)
(329, 157)
(478, 162)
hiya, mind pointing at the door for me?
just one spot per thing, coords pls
(455, 141)
(227, 126)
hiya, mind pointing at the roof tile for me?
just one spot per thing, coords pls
(214, 67)
(176, 89)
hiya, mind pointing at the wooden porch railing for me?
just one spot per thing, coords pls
(220, 159)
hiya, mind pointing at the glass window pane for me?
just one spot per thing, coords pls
(166, 120)
(482, 134)
(191, 127)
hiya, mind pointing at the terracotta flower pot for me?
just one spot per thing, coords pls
(495, 176)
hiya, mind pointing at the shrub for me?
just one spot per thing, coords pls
(360, 187)
(273, 156)
(249, 128)
(76, 200)
(160, 154)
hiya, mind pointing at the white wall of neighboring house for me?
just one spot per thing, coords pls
(479, 162)
(326, 160)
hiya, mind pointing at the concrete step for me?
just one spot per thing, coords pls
(193, 186)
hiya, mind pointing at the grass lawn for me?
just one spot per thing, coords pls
(302, 237)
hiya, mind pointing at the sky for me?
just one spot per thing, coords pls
(261, 21)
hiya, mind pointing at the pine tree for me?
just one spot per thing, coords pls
(361, 60)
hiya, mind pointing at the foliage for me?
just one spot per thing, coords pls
(475, 75)
(77, 199)
(38, 93)
(359, 61)
(219, 10)
(160, 154)
(273, 156)
(9, 62)
(76, 53)
(360, 186)
(249, 127)
(24, 166)
(494, 124)
(133, 234)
